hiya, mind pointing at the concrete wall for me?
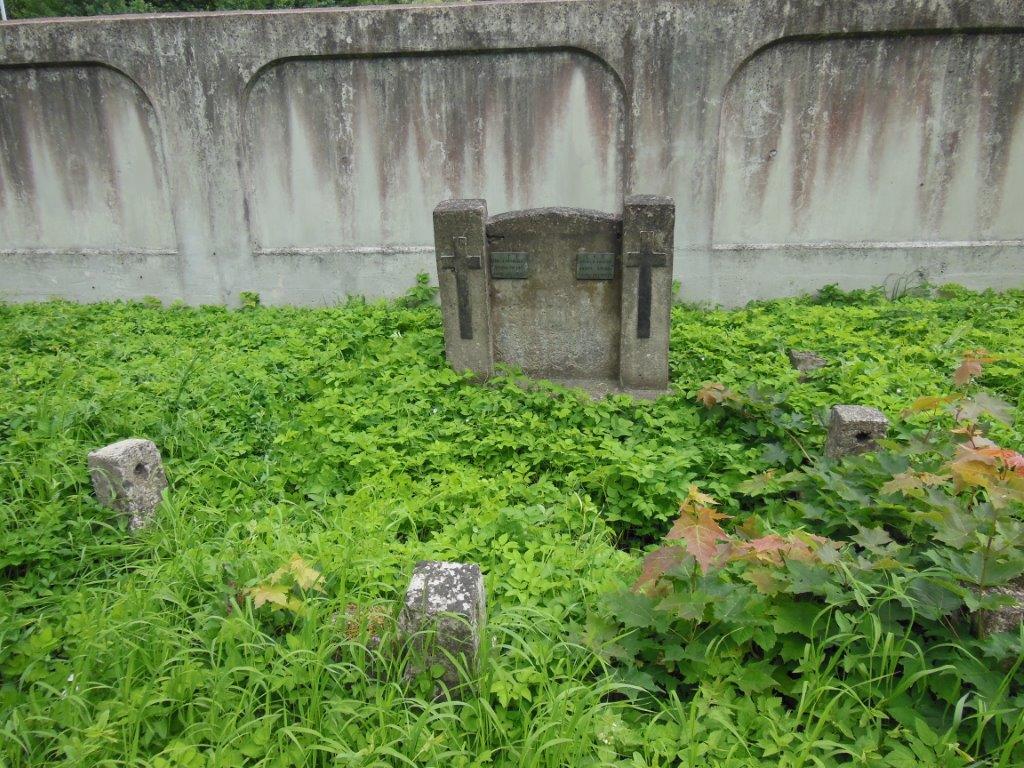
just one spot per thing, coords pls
(300, 154)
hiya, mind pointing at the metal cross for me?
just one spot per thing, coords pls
(645, 259)
(461, 263)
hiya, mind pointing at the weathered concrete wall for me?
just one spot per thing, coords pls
(300, 153)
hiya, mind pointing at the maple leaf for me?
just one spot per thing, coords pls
(697, 498)
(713, 393)
(872, 539)
(657, 563)
(700, 533)
(302, 573)
(902, 483)
(775, 549)
(769, 548)
(276, 594)
(906, 482)
(984, 404)
(1014, 461)
(967, 372)
(306, 576)
(821, 548)
(757, 484)
(974, 466)
(1001, 494)
(751, 528)
(976, 474)
(971, 364)
(930, 403)
(766, 581)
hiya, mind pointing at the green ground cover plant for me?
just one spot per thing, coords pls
(315, 454)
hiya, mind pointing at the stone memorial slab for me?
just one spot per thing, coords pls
(576, 296)
(854, 429)
(128, 477)
(442, 618)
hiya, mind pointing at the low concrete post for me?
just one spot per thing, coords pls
(1008, 618)
(805, 361)
(443, 618)
(854, 429)
(128, 477)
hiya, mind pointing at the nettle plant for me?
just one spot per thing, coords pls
(869, 576)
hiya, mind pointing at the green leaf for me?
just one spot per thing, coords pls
(795, 617)
(635, 610)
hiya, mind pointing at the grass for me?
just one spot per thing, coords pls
(340, 435)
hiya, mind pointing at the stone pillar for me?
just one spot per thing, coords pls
(460, 242)
(648, 224)
(853, 429)
(128, 477)
(442, 618)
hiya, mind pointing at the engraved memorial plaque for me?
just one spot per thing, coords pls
(595, 266)
(506, 265)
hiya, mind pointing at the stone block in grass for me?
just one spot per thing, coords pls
(1007, 618)
(442, 620)
(128, 477)
(854, 429)
(805, 361)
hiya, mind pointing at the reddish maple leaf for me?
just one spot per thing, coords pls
(771, 548)
(774, 549)
(967, 372)
(1014, 461)
(970, 367)
(983, 464)
(974, 466)
(657, 563)
(700, 533)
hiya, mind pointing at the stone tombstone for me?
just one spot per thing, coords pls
(575, 296)
(854, 429)
(443, 615)
(128, 477)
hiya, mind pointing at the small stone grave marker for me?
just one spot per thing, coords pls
(854, 429)
(805, 361)
(442, 618)
(576, 296)
(1008, 618)
(128, 477)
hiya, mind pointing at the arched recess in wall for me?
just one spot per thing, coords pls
(354, 153)
(874, 140)
(80, 163)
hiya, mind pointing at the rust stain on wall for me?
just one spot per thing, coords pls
(80, 165)
(383, 140)
(902, 138)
